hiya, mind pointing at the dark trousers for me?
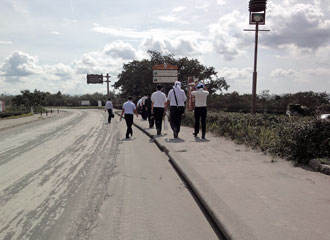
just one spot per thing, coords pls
(129, 123)
(175, 119)
(110, 114)
(200, 114)
(149, 117)
(144, 113)
(158, 114)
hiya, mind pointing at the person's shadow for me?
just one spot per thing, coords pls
(198, 139)
(174, 140)
(127, 139)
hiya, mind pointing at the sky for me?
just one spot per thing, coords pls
(51, 45)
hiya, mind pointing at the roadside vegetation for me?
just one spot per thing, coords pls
(299, 139)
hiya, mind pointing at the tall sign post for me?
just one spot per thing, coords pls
(257, 10)
(98, 79)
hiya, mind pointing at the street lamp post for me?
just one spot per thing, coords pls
(257, 10)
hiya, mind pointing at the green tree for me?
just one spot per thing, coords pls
(136, 78)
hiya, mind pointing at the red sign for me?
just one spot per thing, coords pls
(165, 66)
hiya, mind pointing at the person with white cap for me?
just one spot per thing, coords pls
(200, 110)
(176, 98)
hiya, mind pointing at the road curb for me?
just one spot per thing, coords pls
(229, 224)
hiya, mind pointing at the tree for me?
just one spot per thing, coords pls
(136, 78)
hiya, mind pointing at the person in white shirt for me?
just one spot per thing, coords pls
(129, 109)
(158, 107)
(139, 105)
(176, 98)
(109, 107)
(200, 108)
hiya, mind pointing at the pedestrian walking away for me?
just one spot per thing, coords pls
(200, 110)
(147, 105)
(158, 107)
(176, 98)
(129, 109)
(139, 105)
(143, 109)
(109, 107)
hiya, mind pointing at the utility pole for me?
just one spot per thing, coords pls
(107, 81)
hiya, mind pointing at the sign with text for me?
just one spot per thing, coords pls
(94, 79)
(165, 73)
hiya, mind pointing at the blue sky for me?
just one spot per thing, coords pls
(52, 45)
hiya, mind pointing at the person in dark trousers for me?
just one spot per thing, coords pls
(176, 97)
(200, 110)
(109, 107)
(129, 109)
(144, 111)
(158, 107)
(147, 105)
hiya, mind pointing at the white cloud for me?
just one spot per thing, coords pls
(238, 79)
(308, 75)
(120, 50)
(202, 6)
(55, 33)
(181, 46)
(60, 70)
(19, 64)
(221, 2)
(6, 42)
(142, 34)
(228, 37)
(301, 27)
(178, 9)
(283, 73)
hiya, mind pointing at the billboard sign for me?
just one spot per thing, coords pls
(165, 73)
(85, 103)
(94, 79)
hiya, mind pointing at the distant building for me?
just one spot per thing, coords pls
(2, 106)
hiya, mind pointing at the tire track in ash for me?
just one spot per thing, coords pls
(97, 191)
(6, 156)
(62, 175)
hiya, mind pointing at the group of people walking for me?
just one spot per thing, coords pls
(154, 108)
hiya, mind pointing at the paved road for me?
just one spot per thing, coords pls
(73, 176)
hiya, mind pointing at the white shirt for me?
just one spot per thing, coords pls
(200, 97)
(129, 107)
(159, 99)
(108, 105)
(144, 99)
(139, 103)
(180, 95)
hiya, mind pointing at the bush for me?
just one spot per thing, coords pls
(12, 114)
(295, 138)
(303, 141)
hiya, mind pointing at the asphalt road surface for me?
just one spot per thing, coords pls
(75, 177)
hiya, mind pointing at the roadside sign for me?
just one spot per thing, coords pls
(94, 78)
(85, 103)
(165, 79)
(165, 73)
